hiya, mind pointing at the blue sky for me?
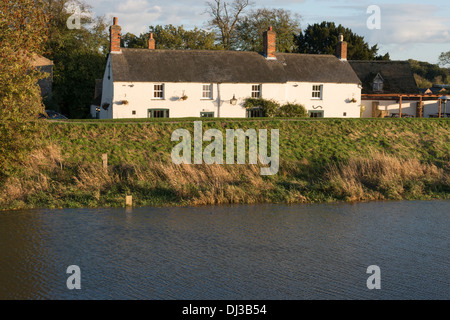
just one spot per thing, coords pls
(415, 29)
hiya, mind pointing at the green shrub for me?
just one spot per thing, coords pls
(271, 108)
(293, 110)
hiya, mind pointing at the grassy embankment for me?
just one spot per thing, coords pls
(320, 161)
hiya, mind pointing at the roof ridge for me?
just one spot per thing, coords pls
(379, 61)
(228, 51)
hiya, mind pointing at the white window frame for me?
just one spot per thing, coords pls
(256, 91)
(158, 91)
(209, 89)
(317, 92)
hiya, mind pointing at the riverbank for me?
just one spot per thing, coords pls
(320, 161)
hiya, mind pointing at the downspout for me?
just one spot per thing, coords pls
(218, 100)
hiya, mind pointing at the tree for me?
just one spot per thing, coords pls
(224, 18)
(444, 58)
(421, 82)
(323, 38)
(173, 37)
(426, 73)
(129, 40)
(251, 27)
(20, 99)
(79, 56)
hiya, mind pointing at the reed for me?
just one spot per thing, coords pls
(319, 161)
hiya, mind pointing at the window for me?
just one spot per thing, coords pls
(378, 86)
(207, 91)
(317, 91)
(254, 112)
(133, 112)
(315, 114)
(207, 114)
(158, 91)
(256, 91)
(158, 113)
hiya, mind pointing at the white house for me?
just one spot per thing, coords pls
(142, 83)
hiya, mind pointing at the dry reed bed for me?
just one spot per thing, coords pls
(46, 181)
(379, 176)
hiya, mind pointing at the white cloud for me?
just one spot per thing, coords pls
(408, 30)
(400, 23)
(136, 16)
(414, 23)
(403, 25)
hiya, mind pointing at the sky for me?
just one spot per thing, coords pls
(417, 30)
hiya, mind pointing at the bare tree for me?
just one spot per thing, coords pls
(224, 17)
(444, 58)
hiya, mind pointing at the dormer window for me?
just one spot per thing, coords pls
(378, 83)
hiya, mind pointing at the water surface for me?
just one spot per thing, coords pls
(230, 252)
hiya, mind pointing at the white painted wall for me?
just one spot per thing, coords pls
(139, 95)
(108, 91)
(432, 107)
(408, 107)
(93, 111)
(335, 98)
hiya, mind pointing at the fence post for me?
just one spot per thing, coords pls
(105, 161)
(128, 201)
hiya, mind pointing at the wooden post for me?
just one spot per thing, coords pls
(105, 161)
(421, 108)
(400, 107)
(440, 103)
(129, 201)
(375, 111)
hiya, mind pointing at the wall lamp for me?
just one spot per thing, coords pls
(233, 100)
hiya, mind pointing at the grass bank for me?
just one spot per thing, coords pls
(320, 161)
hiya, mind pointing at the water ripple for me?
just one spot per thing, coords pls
(230, 252)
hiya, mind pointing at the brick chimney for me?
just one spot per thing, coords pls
(341, 48)
(114, 37)
(269, 40)
(151, 42)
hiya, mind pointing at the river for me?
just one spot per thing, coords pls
(250, 252)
